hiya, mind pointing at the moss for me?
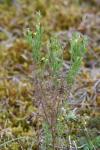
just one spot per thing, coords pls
(17, 102)
(94, 123)
(3, 36)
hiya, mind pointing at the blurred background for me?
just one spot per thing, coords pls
(60, 17)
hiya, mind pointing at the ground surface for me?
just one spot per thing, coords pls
(17, 102)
